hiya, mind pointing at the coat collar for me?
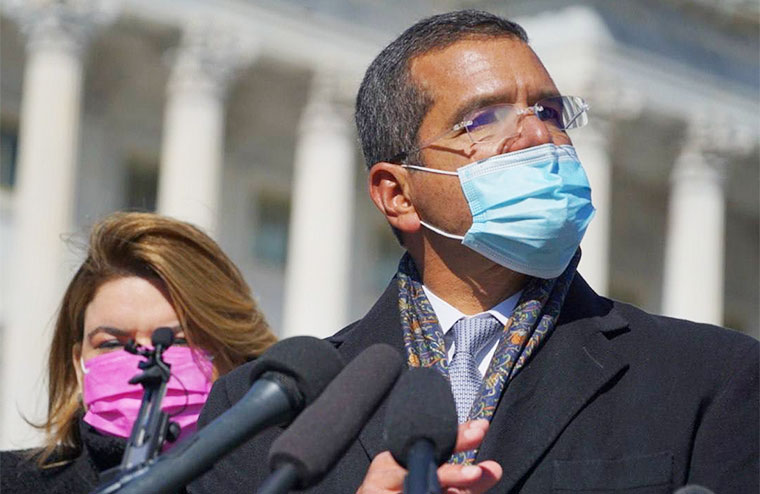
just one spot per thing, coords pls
(380, 325)
(565, 375)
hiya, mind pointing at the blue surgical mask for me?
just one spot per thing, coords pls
(530, 208)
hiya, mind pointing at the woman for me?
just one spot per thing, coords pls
(142, 272)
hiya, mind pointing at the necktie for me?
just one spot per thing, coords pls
(469, 336)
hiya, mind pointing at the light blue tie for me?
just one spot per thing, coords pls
(469, 337)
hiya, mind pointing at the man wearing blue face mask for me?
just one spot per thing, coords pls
(470, 162)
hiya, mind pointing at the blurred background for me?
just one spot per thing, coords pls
(236, 115)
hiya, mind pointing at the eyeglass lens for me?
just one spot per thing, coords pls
(559, 112)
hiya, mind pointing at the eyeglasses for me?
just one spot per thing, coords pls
(559, 113)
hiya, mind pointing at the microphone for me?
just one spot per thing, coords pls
(152, 425)
(162, 338)
(311, 446)
(421, 427)
(693, 489)
(286, 378)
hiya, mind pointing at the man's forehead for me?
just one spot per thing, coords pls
(480, 70)
(470, 56)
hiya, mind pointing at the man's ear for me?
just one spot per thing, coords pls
(389, 189)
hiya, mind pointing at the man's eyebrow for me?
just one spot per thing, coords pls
(476, 103)
(495, 99)
(545, 93)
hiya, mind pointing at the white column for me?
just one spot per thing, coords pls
(592, 144)
(192, 150)
(611, 102)
(694, 254)
(42, 205)
(319, 257)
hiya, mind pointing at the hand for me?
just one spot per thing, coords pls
(385, 476)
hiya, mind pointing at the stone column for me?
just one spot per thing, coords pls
(593, 146)
(319, 257)
(693, 282)
(610, 102)
(43, 202)
(694, 259)
(192, 150)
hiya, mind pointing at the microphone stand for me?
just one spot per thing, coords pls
(423, 472)
(152, 426)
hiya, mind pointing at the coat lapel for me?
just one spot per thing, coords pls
(380, 325)
(564, 376)
(573, 365)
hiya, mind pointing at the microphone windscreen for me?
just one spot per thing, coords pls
(311, 362)
(162, 336)
(693, 489)
(421, 407)
(323, 432)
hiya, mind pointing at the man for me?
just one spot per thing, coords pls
(556, 388)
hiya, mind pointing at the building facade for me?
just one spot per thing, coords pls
(236, 115)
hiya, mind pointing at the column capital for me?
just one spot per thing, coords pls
(208, 58)
(326, 109)
(610, 100)
(61, 25)
(709, 145)
(715, 134)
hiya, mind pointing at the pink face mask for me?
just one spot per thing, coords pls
(113, 404)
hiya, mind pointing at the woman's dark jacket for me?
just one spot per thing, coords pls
(20, 474)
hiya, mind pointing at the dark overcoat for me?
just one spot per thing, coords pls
(616, 400)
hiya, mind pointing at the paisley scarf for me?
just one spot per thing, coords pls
(532, 321)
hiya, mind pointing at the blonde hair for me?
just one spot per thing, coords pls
(208, 293)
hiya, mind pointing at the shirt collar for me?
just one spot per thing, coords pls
(448, 314)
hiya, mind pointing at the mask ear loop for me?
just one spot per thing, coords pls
(431, 170)
(426, 225)
(441, 232)
(184, 388)
(187, 396)
(85, 370)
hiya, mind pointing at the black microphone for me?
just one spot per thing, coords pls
(152, 425)
(311, 446)
(693, 489)
(421, 427)
(286, 378)
(162, 338)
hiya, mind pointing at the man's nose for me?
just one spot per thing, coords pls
(531, 131)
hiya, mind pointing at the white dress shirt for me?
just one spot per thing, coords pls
(448, 314)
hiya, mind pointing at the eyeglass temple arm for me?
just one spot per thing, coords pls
(398, 158)
(584, 109)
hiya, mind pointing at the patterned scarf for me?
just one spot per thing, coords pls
(531, 322)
